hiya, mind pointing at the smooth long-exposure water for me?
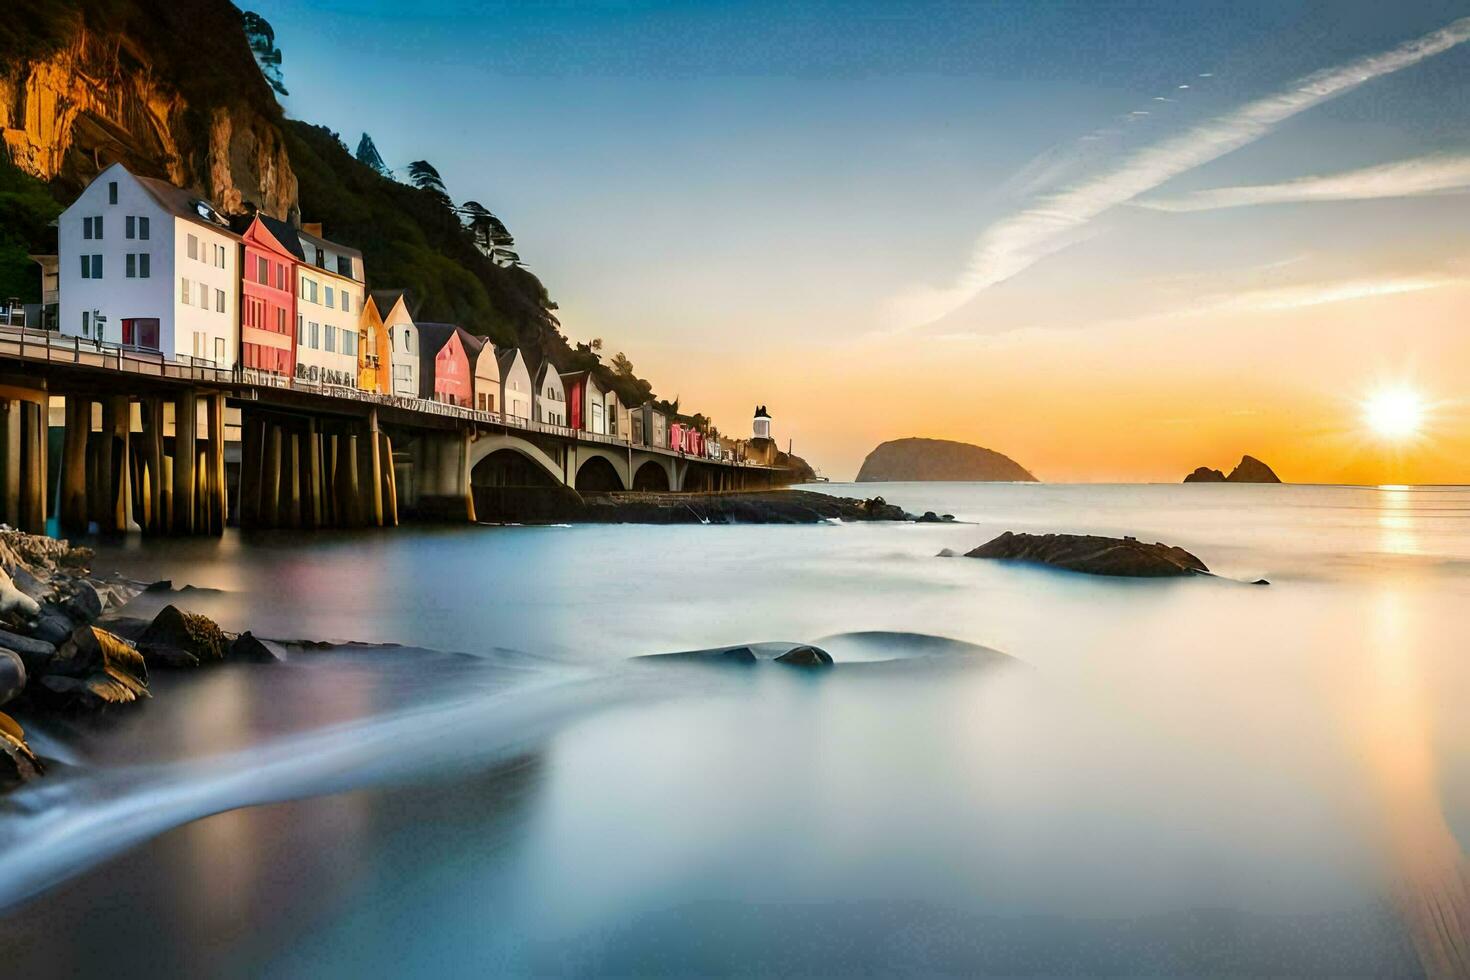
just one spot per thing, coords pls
(1184, 777)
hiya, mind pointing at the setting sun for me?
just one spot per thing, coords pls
(1394, 413)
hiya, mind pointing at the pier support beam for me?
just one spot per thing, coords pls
(78, 426)
(216, 495)
(185, 461)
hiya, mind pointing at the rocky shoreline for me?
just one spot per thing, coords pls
(738, 507)
(67, 645)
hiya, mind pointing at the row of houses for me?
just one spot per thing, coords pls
(147, 265)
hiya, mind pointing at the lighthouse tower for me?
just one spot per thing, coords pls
(760, 428)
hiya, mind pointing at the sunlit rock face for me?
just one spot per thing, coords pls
(100, 98)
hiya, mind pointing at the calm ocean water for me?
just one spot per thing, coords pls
(1195, 777)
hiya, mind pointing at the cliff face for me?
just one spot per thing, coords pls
(939, 459)
(93, 97)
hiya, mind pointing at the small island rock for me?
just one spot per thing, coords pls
(939, 460)
(805, 656)
(179, 639)
(1248, 470)
(1093, 554)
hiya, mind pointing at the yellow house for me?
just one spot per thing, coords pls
(372, 350)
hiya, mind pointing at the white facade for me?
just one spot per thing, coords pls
(550, 396)
(328, 318)
(515, 384)
(403, 358)
(760, 427)
(142, 258)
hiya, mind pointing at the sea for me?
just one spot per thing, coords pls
(1009, 769)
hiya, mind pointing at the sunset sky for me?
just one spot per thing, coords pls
(1113, 241)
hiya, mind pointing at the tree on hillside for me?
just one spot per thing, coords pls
(426, 178)
(367, 154)
(621, 365)
(262, 40)
(490, 235)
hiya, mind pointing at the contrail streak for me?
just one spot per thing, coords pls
(1014, 243)
(1404, 178)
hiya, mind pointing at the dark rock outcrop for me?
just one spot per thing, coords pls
(179, 639)
(806, 656)
(1248, 470)
(939, 459)
(95, 669)
(1093, 554)
(249, 648)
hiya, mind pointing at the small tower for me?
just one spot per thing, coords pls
(761, 427)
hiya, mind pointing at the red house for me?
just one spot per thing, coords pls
(268, 295)
(444, 365)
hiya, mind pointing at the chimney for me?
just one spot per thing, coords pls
(312, 228)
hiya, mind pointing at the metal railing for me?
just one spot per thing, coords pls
(57, 348)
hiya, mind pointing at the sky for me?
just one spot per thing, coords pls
(1114, 241)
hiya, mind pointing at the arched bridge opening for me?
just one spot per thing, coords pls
(651, 477)
(510, 486)
(597, 475)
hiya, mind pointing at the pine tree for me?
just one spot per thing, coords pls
(367, 154)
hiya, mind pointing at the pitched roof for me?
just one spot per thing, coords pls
(506, 357)
(433, 336)
(181, 203)
(473, 346)
(387, 298)
(318, 240)
(283, 233)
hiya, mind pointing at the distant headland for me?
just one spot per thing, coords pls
(1248, 470)
(940, 460)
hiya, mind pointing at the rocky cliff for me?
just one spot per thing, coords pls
(90, 85)
(939, 459)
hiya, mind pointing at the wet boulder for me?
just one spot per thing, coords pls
(805, 656)
(929, 517)
(17, 762)
(1093, 554)
(95, 669)
(179, 639)
(12, 675)
(249, 648)
(85, 603)
(54, 625)
(14, 601)
(37, 654)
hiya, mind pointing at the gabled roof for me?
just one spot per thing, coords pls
(433, 337)
(180, 202)
(388, 298)
(321, 242)
(473, 346)
(283, 234)
(506, 358)
(572, 377)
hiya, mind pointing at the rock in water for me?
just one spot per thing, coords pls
(37, 654)
(1252, 470)
(12, 675)
(805, 657)
(1205, 475)
(179, 639)
(85, 604)
(14, 600)
(250, 649)
(1093, 554)
(94, 669)
(939, 459)
(17, 762)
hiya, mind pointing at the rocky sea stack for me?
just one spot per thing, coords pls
(940, 460)
(1094, 554)
(1248, 470)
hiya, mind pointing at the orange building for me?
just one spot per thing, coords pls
(373, 351)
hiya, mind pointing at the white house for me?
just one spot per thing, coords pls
(550, 399)
(515, 383)
(151, 265)
(329, 300)
(403, 342)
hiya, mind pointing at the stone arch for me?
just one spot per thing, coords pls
(652, 476)
(491, 443)
(511, 468)
(597, 474)
(697, 479)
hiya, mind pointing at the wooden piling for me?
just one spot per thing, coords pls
(185, 456)
(73, 510)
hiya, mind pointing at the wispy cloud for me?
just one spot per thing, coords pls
(1404, 178)
(1017, 241)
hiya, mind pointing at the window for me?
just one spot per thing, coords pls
(280, 275)
(184, 291)
(131, 271)
(331, 338)
(219, 256)
(111, 193)
(92, 227)
(86, 324)
(344, 267)
(130, 226)
(347, 302)
(219, 301)
(143, 228)
(193, 247)
(349, 342)
(262, 270)
(280, 319)
(300, 329)
(86, 267)
(96, 267)
(143, 271)
(331, 297)
(316, 336)
(219, 350)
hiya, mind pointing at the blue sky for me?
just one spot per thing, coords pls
(726, 190)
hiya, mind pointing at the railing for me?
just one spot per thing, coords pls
(57, 348)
